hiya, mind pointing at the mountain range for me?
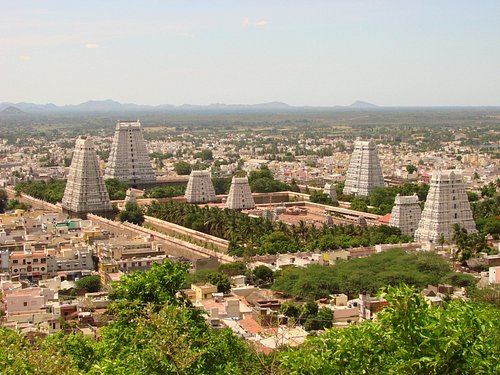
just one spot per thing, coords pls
(114, 106)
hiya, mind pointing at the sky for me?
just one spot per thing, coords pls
(311, 52)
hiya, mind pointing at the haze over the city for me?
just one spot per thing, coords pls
(391, 53)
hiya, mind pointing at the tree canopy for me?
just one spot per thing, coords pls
(368, 275)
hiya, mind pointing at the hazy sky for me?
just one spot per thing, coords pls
(309, 52)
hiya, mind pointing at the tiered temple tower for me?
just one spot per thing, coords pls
(330, 190)
(129, 158)
(364, 172)
(200, 188)
(85, 189)
(406, 214)
(447, 204)
(240, 196)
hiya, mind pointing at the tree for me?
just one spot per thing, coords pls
(205, 155)
(158, 286)
(411, 168)
(408, 337)
(359, 204)
(116, 188)
(220, 280)
(182, 168)
(14, 204)
(91, 284)
(263, 275)
(133, 214)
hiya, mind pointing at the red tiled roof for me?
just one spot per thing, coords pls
(250, 325)
(385, 219)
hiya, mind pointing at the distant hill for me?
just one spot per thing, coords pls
(361, 104)
(11, 110)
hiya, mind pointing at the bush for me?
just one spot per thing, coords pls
(91, 284)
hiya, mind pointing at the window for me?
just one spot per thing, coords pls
(25, 303)
(15, 261)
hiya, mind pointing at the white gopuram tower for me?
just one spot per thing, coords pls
(85, 189)
(200, 188)
(330, 190)
(364, 172)
(129, 158)
(406, 214)
(240, 196)
(447, 204)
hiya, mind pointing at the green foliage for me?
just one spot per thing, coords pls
(249, 236)
(460, 279)
(205, 155)
(219, 279)
(409, 337)
(234, 268)
(368, 275)
(469, 245)
(116, 189)
(309, 315)
(133, 214)
(51, 191)
(488, 295)
(165, 191)
(14, 204)
(182, 168)
(382, 198)
(489, 190)
(221, 185)
(359, 204)
(487, 215)
(91, 284)
(263, 275)
(411, 168)
(19, 356)
(262, 181)
(157, 286)
(320, 197)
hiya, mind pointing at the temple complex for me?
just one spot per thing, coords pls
(406, 214)
(129, 159)
(446, 205)
(85, 189)
(364, 172)
(240, 197)
(200, 188)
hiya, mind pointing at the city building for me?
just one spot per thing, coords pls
(200, 188)
(364, 172)
(129, 158)
(240, 197)
(406, 214)
(446, 205)
(85, 189)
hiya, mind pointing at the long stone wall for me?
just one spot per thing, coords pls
(175, 246)
(193, 236)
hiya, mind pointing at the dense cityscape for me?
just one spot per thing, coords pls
(275, 238)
